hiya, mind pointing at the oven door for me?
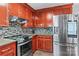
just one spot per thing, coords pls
(25, 49)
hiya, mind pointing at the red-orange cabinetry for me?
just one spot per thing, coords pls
(29, 19)
(34, 44)
(8, 50)
(22, 11)
(44, 43)
(13, 9)
(49, 19)
(44, 19)
(67, 9)
(64, 9)
(4, 16)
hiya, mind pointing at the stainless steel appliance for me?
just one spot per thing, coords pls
(14, 20)
(25, 48)
(23, 41)
(24, 45)
(66, 35)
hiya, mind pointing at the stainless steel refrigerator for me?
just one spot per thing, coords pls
(66, 35)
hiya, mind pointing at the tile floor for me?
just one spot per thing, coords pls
(42, 53)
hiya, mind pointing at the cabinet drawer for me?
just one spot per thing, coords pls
(8, 53)
(8, 49)
(5, 49)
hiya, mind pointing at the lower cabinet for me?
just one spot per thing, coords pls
(34, 47)
(42, 43)
(48, 45)
(8, 50)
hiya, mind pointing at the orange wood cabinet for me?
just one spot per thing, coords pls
(47, 45)
(44, 19)
(13, 9)
(34, 44)
(65, 9)
(3, 16)
(29, 19)
(8, 50)
(45, 16)
(42, 43)
(48, 19)
(21, 11)
(17, 9)
(38, 21)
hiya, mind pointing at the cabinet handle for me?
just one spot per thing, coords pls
(5, 49)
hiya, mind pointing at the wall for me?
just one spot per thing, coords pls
(75, 8)
(10, 31)
(44, 31)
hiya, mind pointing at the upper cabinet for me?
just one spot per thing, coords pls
(45, 16)
(49, 19)
(35, 18)
(65, 9)
(3, 15)
(13, 9)
(44, 19)
(17, 9)
(28, 16)
(21, 11)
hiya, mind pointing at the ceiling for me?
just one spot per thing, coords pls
(44, 5)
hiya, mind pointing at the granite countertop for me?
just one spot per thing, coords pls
(37, 34)
(6, 41)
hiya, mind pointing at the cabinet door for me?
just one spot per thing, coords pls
(26, 13)
(34, 44)
(67, 9)
(21, 11)
(43, 44)
(45, 19)
(13, 9)
(30, 21)
(8, 50)
(57, 11)
(3, 16)
(48, 45)
(34, 16)
(40, 43)
(42, 19)
(49, 19)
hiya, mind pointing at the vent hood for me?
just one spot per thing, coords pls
(14, 19)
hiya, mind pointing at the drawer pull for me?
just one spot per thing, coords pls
(6, 49)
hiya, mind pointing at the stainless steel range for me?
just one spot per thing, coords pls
(24, 47)
(15, 32)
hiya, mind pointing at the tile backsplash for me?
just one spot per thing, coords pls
(28, 31)
(45, 31)
(10, 31)
(17, 30)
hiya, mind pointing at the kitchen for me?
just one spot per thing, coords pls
(31, 29)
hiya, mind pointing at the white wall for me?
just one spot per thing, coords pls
(75, 8)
